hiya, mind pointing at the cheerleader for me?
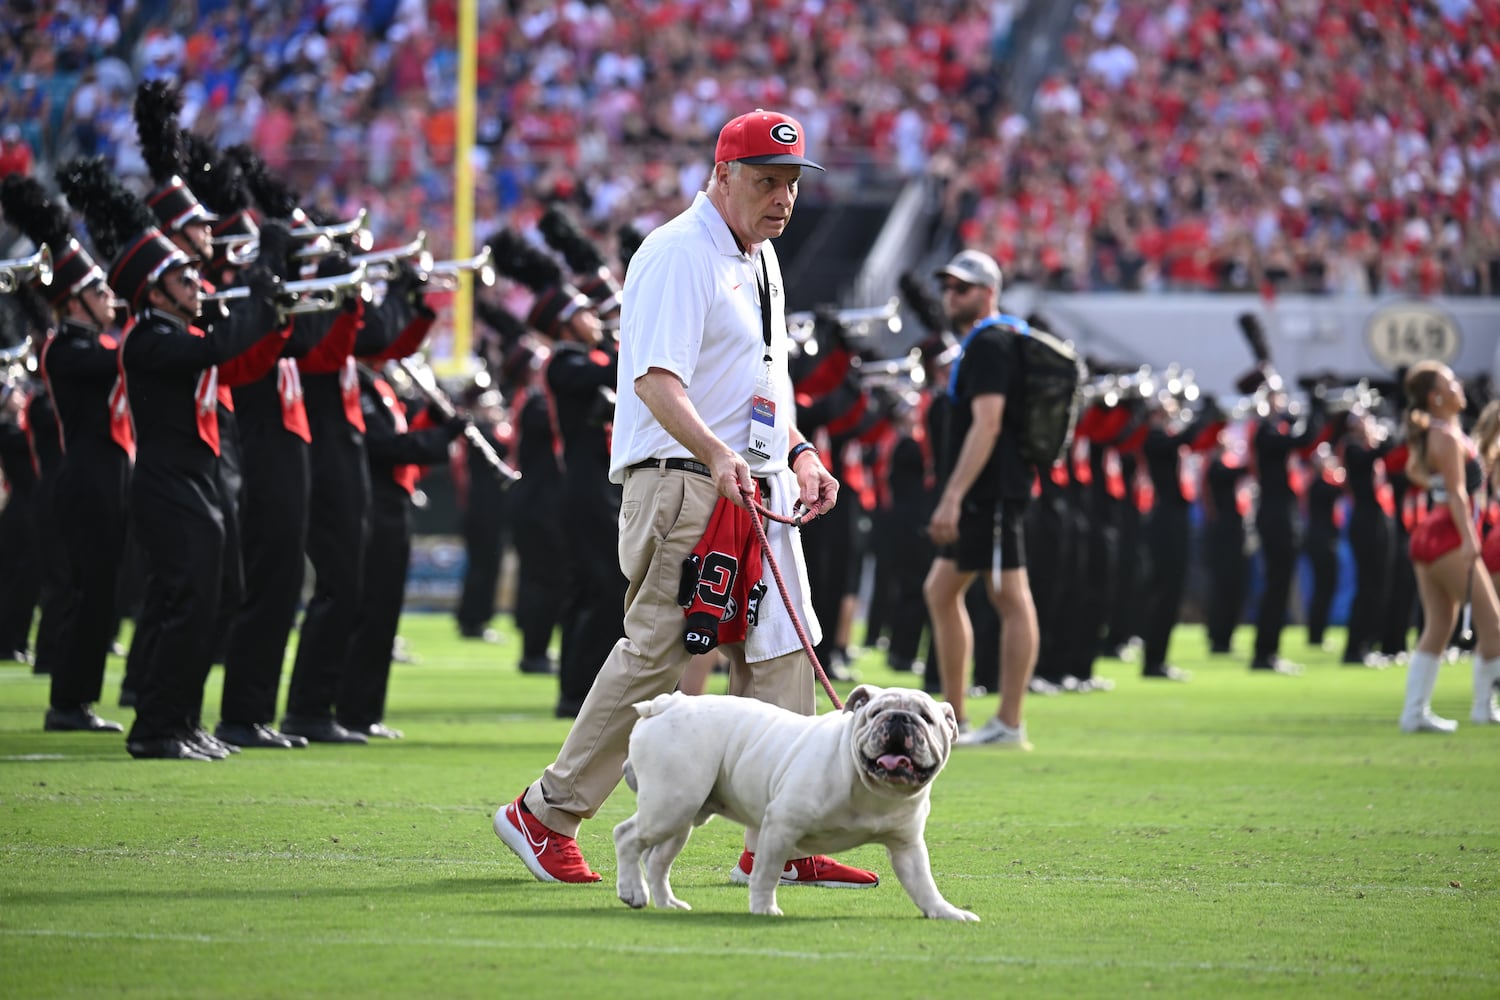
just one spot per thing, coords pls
(1487, 443)
(1445, 547)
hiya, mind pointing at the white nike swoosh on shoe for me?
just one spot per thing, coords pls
(529, 855)
(536, 845)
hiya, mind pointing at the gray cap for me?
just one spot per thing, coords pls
(973, 268)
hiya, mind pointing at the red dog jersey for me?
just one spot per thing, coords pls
(721, 586)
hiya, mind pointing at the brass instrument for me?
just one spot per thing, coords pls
(19, 269)
(381, 265)
(16, 365)
(905, 372)
(312, 295)
(862, 321)
(426, 382)
(1359, 398)
(442, 275)
(243, 250)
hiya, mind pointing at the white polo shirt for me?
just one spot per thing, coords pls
(692, 307)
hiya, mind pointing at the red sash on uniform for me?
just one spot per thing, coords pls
(1188, 462)
(289, 393)
(335, 353)
(206, 396)
(1114, 475)
(349, 389)
(121, 424)
(23, 421)
(1083, 471)
(1145, 493)
(405, 475)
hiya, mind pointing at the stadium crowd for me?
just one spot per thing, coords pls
(1341, 147)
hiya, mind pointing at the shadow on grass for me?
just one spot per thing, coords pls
(598, 900)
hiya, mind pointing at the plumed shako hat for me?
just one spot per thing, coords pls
(122, 228)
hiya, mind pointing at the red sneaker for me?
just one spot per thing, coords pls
(548, 855)
(817, 870)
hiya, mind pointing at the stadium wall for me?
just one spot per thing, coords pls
(1308, 335)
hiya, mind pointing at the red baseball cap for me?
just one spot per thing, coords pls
(763, 137)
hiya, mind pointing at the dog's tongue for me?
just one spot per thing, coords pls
(894, 762)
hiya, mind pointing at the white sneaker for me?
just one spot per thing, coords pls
(1428, 723)
(996, 733)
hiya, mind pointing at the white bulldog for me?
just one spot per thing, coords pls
(808, 784)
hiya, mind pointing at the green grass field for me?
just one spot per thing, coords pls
(1239, 835)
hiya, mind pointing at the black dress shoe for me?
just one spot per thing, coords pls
(376, 731)
(1166, 672)
(128, 698)
(538, 665)
(211, 741)
(78, 720)
(210, 747)
(1275, 664)
(251, 736)
(320, 730)
(482, 634)
(165, 748)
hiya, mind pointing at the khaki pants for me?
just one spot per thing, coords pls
(663, 516)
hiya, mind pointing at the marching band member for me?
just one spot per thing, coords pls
(1174, 486)
(169, 365)
(536, 531)
(1276, 438)
(1227, 503)
(81, 373)
(1325, 491)
(340, 499)
(397, 449)
(1371, 534)
(27, 437)
(580, 378)
(275, 442)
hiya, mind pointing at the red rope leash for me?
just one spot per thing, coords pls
(757, 512)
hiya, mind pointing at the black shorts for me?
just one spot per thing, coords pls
(983, 526)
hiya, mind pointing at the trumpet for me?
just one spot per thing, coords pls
(18, 355)
(241, 250)
(19, 269)
(423, 379)
(314, 294)
(905, 372)
(859, 322)
(442, 275)
(16, 364)
(381, 265)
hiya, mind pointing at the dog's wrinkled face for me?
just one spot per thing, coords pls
(901, 736)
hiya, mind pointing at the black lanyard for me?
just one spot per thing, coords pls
(764, 285)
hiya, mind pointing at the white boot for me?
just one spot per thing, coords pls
(1485, 710)
(1421, 678)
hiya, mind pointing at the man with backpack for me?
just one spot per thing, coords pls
(977, 523)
